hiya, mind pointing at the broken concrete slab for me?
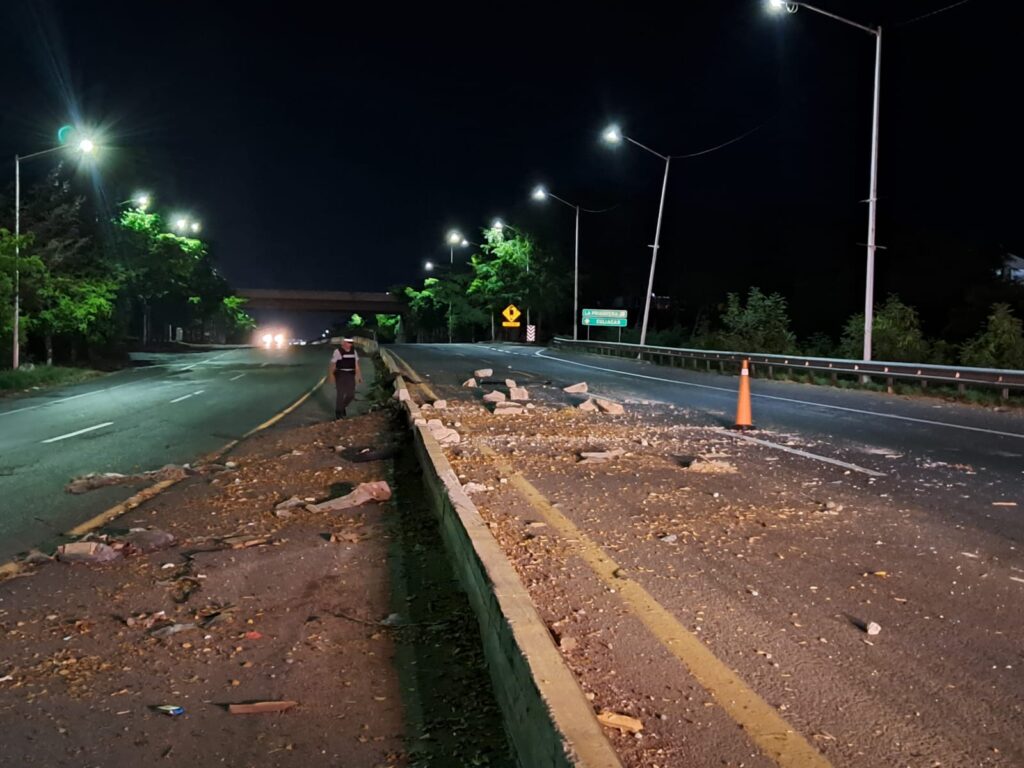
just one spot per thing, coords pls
(518, 393)
(607, 406)
(377, 490)
(471, 488)
(440, 404)
(101, 480)
(511, 383)
(576, 389)
(494, 397)
(446, 436)
(599, 457)
(483, 373)
(469, 383)
(87, 552)
(587, 405)
(510, 410)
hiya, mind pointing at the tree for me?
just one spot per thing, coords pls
(356, 321)
(761, 325)
(444, 303)
(896, 334)
(1000, 345)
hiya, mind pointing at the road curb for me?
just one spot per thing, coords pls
(549, 720)
(13, 567)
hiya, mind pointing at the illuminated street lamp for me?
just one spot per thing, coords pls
(614, 136)
(86, 147)
(869, 281)
(541, 193)
(185, 224)
(429, 266)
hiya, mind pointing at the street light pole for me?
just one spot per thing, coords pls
(613, 135)
(869, 281)
(541, 193)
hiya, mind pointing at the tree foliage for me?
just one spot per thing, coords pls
(759, 325)
(896, 334)
(1000, 344)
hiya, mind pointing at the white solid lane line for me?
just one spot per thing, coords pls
(236, 378)
(207, 360)
(186, 397)
(78, 432)
(931, 422)
(809, 455)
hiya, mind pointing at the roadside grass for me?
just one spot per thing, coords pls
(42, 376)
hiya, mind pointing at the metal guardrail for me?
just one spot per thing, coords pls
(958, 376)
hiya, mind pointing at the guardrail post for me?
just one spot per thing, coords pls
(888, 384)
(1005, 392)
(834, 378)
(961, 388)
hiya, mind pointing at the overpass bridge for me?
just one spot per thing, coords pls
(323, 301)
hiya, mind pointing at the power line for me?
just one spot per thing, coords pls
(709, 150)
(924, 16)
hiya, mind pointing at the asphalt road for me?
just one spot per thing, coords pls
(962, 457)
(854, 507)
(172, 408)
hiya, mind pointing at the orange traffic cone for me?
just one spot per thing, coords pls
(743, 417)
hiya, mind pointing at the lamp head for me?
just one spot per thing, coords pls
(454, 237)
(142, 201)
(86, 146)
(612, 135)
(539, 193)
(195, 226)
(498, 224)
(429, 266)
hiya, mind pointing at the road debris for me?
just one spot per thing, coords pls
(510, 383)
(576, 389)
(518, 393)
(607, 406)
(873, 628)
(470, 488)
(624, 723)
(144, 540)
(171, 629)
(494, 397)
(377, 490)
(259, 707)
(170, 709)
(599, 457)
(587, 405)
(483, 373)
(91, 482)
(87, 552)
(669, 538)
(471, 383)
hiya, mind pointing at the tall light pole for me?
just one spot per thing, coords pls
(454, 238)
(541, 193)
(869, 281)
(85, 146)
(613, 135)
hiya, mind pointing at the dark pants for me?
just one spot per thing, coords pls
(345, 385)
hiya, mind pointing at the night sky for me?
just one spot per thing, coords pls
(334, 148)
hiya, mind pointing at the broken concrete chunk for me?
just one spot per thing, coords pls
(470, 488)
(588, 405)
(440, 404)
(669, 538)
(873, 628)
(494, 397)
(510, 410)
(510, 383)
(148, 539)
(435, 424)
(258, 707)
(599, 457)
(87, 552)
(469, 383)
(171, 629)
(378, 490)
(483, 373)
(446, 436)
(518, 393)
(419, 421)
(624, 723)
(576, 389)
(403, 395)
(291, 503)
(607, 406)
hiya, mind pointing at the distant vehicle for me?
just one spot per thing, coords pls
(272, 338)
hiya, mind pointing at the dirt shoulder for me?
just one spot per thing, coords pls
(773, 563)
(293, 616)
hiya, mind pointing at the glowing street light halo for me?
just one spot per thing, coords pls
(539, 193)
(612, 135)
(454, 237)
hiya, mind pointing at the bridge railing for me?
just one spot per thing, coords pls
(944, 375)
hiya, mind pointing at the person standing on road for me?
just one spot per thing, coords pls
(344, 369)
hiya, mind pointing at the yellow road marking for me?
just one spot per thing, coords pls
(427, 390)
(772, 734)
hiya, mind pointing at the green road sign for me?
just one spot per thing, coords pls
(614, 322)
(617, 314)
